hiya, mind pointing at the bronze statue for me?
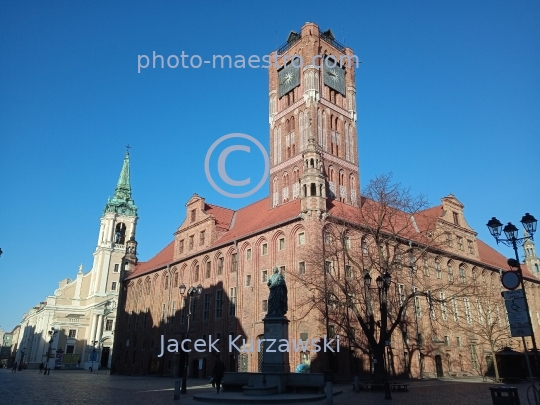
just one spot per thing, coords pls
(277, 300)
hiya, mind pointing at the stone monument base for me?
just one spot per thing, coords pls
(275, 328)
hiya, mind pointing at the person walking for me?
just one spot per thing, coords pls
(41, 366)
(14, 369)
(217, 373)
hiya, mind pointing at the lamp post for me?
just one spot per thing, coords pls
(52, 333)
(93, 354)
(191, 293)
(511, 232)
(383, 284)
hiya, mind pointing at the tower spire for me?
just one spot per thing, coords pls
(122, 203)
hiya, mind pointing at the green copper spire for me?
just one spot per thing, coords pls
(122, 203)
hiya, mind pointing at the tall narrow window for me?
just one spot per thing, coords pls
(470, 246)
(462, 277)
(173, 311)
(181, 246)
(302, 268)
(281, 244)
(450, 273)
(232, 301)
(201, 238)
(191, 237)
(248, 280)
(456, 218)
(438, 272)
(459, 242)
(264, 249)
(234, 262)
(449, 239)
(468, 316)
(455, 310)
(206, 308)
(444, 312)
(219, 303)
(196, 273)
(264, 306)
(208, 269)
(193, 215)
(194, 302)
(248, 254)
(301, 238)
(220, 266)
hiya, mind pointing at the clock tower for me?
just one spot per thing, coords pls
(116, 236)
(313, 134)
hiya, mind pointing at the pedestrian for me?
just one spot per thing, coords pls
(14, 369)
(217, 373)
(41, 366)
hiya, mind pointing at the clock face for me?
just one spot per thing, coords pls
(289, 78)
(334, 78)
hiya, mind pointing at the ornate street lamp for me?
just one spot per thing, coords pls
(511, 232)
(191, 292)
(383, 284)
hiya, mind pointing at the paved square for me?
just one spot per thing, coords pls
(82, 387)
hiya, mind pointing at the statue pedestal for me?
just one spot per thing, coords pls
(275, 327)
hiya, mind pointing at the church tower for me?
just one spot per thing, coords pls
(313, 96)
(116, 236)
(531, 258)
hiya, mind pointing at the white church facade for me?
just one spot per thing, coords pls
(74, 326)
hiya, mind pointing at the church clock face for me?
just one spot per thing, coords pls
(334, 78)
(289, 78)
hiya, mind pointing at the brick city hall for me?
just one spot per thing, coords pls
(317, 229)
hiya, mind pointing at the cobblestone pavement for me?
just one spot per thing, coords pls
(81, 387)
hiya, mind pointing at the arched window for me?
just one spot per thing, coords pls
(450, 272)
(324, 141)
(462, 274)
(120, 233)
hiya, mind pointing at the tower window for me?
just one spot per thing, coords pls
(193, 215)
(191, 242)
(456, 218)
(470, 246)
(120, 233)
(313, 189)
(181, 246)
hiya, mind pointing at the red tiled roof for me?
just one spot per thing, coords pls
(258, 216)
(159, 260)
(223, 216)
(252, 218)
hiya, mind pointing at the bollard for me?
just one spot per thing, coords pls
(329, 394)
(356, 384)
(184, 386)
(177, 390)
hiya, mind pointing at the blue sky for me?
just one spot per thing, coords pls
(448, 97)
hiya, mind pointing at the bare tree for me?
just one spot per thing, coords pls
(392, 240)
(484, 319)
